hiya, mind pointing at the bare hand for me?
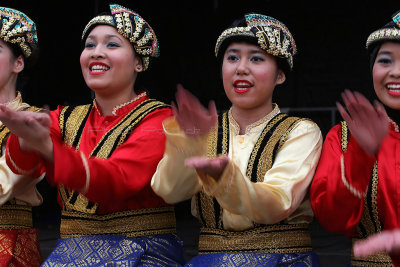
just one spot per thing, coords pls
(32, 129)
(192, 117)
(387, 241)
(213, 167)
(367, 123)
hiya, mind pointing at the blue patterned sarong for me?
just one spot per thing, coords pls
(116, 250)
(255, 259)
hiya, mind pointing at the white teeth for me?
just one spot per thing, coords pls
(99, 68)
(393, 86)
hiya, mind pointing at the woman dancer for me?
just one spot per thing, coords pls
(19, 245)
(102, 155)
(248, 177)
(355, 189)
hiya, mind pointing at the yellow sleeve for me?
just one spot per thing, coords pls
(173, 181)
(284, 187)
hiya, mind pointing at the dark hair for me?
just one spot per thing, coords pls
(282, 63)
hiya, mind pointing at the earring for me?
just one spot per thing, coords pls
(139, 67)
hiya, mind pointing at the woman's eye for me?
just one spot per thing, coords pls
(256, 59)
(232, 57)
(384, 60)
(89, 45)
(113, 44)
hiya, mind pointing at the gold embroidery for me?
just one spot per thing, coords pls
(369, 223)
(280, 135)
(15, 217)
(74, 201)
(127, 223)
(257, 146)
(273, 238)
(344, 137)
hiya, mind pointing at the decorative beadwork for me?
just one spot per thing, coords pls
(271, 34)
(114, 112)
(133, 28)
(17, 28)
(386, 33)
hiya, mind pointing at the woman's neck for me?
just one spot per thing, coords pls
(7, 94)
(245, 117)
(107, 103)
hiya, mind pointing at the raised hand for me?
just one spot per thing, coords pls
(385, 241)
(214, 167)
(193, 118)
(367, 123)
(32, 129)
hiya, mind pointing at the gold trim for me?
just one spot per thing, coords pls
(127, 223)
(15, 217)
(257, 146)
(117, 133)
(344, 136)
(278, 137)
(273, 238)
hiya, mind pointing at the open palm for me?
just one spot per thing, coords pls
(193, 118)
(367, 123)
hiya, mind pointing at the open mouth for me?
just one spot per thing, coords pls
(242, 86)
(98, 68)
(393, 89)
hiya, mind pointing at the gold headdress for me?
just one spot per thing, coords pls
(132, 27)
(387, 33)
(271, 34)
(17, 28)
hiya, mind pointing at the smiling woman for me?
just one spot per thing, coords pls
(356, 186)
(248, 178)
(102, 155)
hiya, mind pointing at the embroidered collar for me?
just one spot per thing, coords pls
(116, 108)
(395, 126)
(265, 119)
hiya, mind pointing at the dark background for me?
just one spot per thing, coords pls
(330, 37)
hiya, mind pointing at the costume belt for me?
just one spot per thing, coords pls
(15, 216)
(380, 259)
(275, 238)
(131, 223)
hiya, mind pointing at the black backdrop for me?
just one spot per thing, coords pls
(330, 37)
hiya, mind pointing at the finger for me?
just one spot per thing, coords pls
(380, 109)
(344, 114)
(351, 104)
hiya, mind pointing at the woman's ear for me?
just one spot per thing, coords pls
(138, 65)
(19, 64)
(280, 77)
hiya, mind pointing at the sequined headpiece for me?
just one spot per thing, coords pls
(271, 34)
(17, 28)
(131, 26)
(389, 32)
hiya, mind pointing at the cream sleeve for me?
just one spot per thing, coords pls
(20, 187)
(284, 187)
(173, 181)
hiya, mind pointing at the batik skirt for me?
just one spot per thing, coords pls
(255, 259)
(116, 250)
(20, 248)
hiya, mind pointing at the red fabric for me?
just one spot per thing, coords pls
(335, 207)
(120, 182)
(20, 248)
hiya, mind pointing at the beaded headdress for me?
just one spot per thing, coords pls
(132, 27)
(17, 28)
(386, 33)
(271, 34)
